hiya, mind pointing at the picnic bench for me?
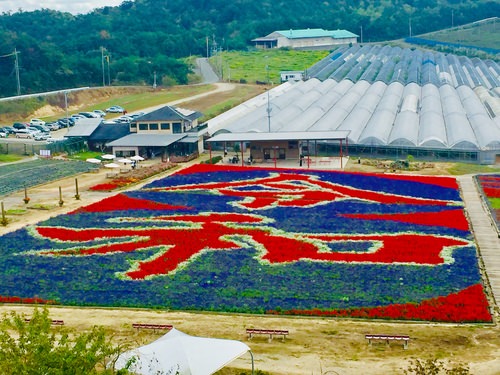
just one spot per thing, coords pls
(388, 338)
(154, 327)
(53, 322)
(270, 332)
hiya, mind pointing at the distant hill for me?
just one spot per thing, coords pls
(132, 43)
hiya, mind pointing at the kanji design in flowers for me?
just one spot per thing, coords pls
(256, 240)
(221, 232)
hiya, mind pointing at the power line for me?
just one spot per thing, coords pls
(16, 67)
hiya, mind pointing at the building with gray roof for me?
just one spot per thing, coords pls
(394, 102)
(306, 39)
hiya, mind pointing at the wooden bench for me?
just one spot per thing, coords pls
(388, 338)
(154, 327)
(270, 332)
(53, 322)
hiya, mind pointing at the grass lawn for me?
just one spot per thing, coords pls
(465, 168)
(484, 34)
(495, 203)
(136, 100)
(264, 65)
(9, 158)
(85, 155)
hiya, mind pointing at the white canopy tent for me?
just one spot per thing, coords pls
(180, 353)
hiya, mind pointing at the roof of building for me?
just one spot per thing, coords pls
(315, 33)
(169, 113)
(384, 96)
(146, 140)
(109, 132)
(280, 136)
(84, 127)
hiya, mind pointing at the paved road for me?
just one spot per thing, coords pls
(485, 234)
(205, 70)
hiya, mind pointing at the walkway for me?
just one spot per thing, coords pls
(485, 233)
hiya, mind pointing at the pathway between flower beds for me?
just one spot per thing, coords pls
(486, 236)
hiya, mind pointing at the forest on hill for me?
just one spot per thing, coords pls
(131, 43)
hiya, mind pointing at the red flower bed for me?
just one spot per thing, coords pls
(123, 202)
(450, 218)
(468, 305)
(492, 192)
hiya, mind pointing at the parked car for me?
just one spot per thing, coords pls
(36, 121)
(8, 130)
(137, 114)
(124, 119)
(24, 133)
(19, 125)
(42, 128)
(89, 114)
(77, 117)
(99, 112)
(115, 109)
(2, 134)
(53, 125)
(41, 136)
(54, 140)
(66, 122)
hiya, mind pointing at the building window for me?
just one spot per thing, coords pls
(153, 126)
(165, 126)
(177, 127)
(143, 126)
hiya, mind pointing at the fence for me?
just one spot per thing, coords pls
(68, 146)
(434, 43)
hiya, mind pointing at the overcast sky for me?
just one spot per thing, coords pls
(72, 6)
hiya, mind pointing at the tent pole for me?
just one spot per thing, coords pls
(251, 355)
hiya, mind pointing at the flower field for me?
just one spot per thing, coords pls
(221, 238)
(490, 186)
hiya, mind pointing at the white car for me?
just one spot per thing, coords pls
(3, 135)
(115, 109)
(36, 121)
(41, 136)
(25, 133)
(78, 117)
(99, 112)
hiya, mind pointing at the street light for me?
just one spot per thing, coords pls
(268, 110)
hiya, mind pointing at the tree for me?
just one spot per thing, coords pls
(434, 367)
(33, 346)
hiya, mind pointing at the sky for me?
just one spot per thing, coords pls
(72, 6)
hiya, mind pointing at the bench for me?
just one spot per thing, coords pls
(154, 327)
(387, 338)
(270, 332)
(53, 322)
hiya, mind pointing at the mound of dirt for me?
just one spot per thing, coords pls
(55, 104)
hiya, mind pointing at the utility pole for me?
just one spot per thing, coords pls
(109, 76)
(16, 68)
(409, 25)
(102, 63)
(361, 34)
(268, 109)
(16, 65)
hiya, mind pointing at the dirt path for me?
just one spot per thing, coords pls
(314, 346)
